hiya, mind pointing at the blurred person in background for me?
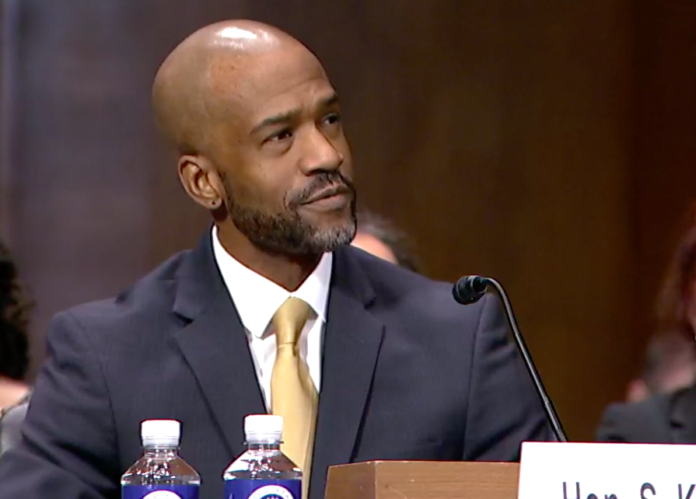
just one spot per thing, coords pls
(14, 341)
(666, 417)
(670, 364)
(379, 236)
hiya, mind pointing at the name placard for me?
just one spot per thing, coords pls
(607, 471)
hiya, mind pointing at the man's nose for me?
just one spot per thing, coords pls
(319, 153)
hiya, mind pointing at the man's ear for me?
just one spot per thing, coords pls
(201, 181)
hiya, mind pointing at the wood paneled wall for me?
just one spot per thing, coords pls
(663, 152)
(511, 139)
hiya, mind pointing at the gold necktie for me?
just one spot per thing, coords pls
(293, 394)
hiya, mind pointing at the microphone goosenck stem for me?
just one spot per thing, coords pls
(470, 289)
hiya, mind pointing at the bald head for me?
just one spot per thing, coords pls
(216, 62)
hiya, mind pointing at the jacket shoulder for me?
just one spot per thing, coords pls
(145, 301)
(414, 295)
(646, 421)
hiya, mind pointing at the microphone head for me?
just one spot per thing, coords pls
(470, 289)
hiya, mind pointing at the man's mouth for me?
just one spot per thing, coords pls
(330, 192)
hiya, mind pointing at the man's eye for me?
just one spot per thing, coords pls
(281, 135)
(333, 118)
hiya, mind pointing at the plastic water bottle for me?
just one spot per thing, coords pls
(263, 471)
(160, 473)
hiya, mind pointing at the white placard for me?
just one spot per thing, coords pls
(607, 471)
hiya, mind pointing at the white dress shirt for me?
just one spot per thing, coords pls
(257, 299)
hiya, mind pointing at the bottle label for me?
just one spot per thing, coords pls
(159, 492)
(263, 489)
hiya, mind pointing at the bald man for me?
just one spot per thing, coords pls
(386, 365)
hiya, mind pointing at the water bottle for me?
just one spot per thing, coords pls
(263, 471)
(160, 473)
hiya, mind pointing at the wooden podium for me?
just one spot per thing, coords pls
(423, 480)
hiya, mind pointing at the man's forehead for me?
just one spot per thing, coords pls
(266, 72)
(264, 90)
(308, 97)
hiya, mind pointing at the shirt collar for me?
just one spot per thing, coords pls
(257, 298)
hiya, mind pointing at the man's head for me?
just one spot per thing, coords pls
(379, 237)
(258, 128)
(14, 321)
(670, 364)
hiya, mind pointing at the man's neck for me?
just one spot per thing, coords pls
(11, 392)
(287, 272)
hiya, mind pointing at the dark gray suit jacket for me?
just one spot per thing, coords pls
(407, 374)
(667, 418)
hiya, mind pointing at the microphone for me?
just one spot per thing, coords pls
(472, 288)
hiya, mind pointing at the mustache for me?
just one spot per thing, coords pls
(320, 183)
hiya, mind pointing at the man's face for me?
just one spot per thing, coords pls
(283, 158)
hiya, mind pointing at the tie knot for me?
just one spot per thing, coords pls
(289, 320)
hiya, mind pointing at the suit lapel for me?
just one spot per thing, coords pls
(215, 346)
(682, 420)
(352, 341)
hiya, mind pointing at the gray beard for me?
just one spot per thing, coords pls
(288, 234)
